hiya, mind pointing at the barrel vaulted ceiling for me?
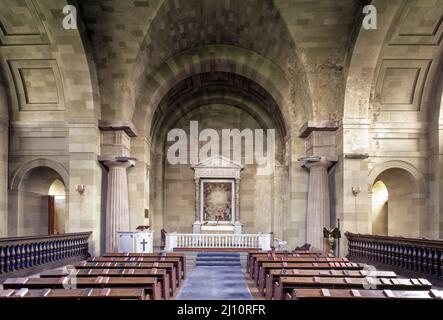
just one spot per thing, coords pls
(121, 43)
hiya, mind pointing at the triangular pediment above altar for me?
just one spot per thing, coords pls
(218, 162)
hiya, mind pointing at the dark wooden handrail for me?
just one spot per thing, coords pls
(30, 254)
(417, 255)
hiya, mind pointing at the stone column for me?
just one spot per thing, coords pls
(196, 226)
(117, 205)
(318, 211)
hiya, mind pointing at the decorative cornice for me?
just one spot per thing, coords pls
(126, 126)
(310, 126)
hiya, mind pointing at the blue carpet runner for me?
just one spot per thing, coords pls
(217, 276)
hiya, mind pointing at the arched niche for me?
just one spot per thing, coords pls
(38, 202)
(398, 200)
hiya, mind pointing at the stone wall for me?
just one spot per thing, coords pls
(258, 206)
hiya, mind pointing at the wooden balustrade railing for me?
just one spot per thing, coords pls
(25, 255)
(415, 255)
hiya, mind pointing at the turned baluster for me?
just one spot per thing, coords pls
(389, 254)
(14, 258)
(85, 246)
(2, 260)
(379, 252)
(369, 250)
(75, 247)
(383, 253)
(431, 261)
(71, 248)
(426, 261)
(39, 253)
(353, 252)
(402, 257)
(31, 255)
(63, 249)
(45, 252)
(8, 264)
(25, 252)
(395, 255)
(435, 262)
(56, 249)
(419, 259)
(415, 259)
(441, 264)
(19, 258)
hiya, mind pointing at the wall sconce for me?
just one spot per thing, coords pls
(356, 191)
(80, 188)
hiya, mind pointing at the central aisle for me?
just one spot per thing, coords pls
(217, 276)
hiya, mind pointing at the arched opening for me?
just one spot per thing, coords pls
(58, 194)
(396, 203)
(217, 101)
(380, 197)
(41, 203)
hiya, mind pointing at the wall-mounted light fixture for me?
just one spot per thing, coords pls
(356, 191)
(80, 188)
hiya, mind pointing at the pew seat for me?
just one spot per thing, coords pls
(161, 275)
(355, 294)
(150, 285)
(274, 276)
(78, 294)
(287, 284)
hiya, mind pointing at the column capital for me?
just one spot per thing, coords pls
(316, 162)
(119, 163)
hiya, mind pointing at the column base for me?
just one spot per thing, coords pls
(238, 227)
(196, 227)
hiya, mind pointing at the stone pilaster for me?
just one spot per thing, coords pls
(3, 178)
(237, 223)
(318, 211)
(237, 200)
(197, 223)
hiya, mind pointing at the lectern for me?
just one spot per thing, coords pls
(135, 242)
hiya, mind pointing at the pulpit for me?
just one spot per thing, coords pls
(136, 242)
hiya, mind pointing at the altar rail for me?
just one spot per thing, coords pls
(415, 255)
(26, 255)
(209, 240)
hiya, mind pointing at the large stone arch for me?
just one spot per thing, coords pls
(221, 59)
(18, 175)
(173, 30)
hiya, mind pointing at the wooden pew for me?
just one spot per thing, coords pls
(169, 267)
(353, 294)
(250, 260)
(176, 261)
(288, 284)
(260, 260)
(274, 276)
(150, 285)
(78, 294)
(181, 256)
(160, 274)
(265, 268)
